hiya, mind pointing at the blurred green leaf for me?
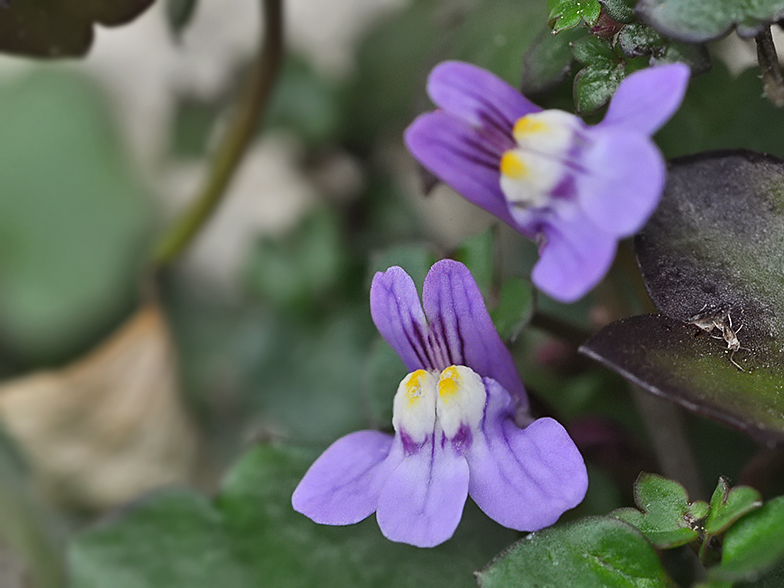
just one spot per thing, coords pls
(60, 28)
(619, 10)
(590, 50)
(383, 373)
(595, 85)
(516, 305)
(567, 14)
(72, 215)
(754, 544)
(416, 259)
(250, 536)
(478, 254)
(548, 60)
(696, 21)
(712, 261)
(727, 505)
(637, 40)
(600, 551)
(665, 516)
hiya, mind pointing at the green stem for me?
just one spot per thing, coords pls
(239, 134)
(554, 325)
(772, 83)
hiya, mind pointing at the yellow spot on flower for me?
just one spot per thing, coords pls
(528, 126)
(512, 166)
(449, 383)
(414, 386)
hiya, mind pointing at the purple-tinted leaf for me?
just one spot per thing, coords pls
(60, 28)
(713, 262)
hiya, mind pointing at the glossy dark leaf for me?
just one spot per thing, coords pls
(697, 21)
(60, 28)
(713, 263)
(548, 60)
(600, 551)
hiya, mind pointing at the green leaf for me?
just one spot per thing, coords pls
(249, 536)
(754, 544)
(595, 85)
(712, 261)
(665, 515)
(477, 253)
(619, 10)
(73, 216)
(383, 373)
(594, 51)
(728, 505)
(567, 14)
(600, 551)
(548, 61)
(637, 40)
(60, 28)
(516, 305)
(697, 21)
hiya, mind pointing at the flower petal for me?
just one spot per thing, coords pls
(422, 502)
(343, 485)
(524, 479)
(477, 96)
(398, 315)
(574, 259)
(457, 315)
(462, 157)
(624, 183)
(647, 99)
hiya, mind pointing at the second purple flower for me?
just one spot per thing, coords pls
(576, 189)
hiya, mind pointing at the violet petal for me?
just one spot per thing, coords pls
(422, 501)
(398, 315)
(462, 157)
(457, 314)
(343, 485)
(477, 96)
(574, 259)
(645, 100)
(524, 479)
(624, 182)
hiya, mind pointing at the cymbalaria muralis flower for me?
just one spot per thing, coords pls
(576, 189)
(455, 432)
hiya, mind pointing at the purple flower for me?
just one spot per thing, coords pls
(576, 189)
(454, 421)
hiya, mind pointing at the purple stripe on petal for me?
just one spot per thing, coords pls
(624, 182)
(647, 99)
(343, 485)
(397, 313)
(456, 311)
(477, 96)
(422, 502)
(462, 158)
(524, 479)
(574, 259)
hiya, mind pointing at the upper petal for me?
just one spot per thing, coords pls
(343, 485)
(575, 257)
(462, 156)
(524, 479)
(645, 100)
(477, 96)
(422, 501)
(623, 183)
(398, 315)
(459, 319)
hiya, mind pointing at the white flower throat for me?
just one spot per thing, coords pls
(536, 165)
(428, 401)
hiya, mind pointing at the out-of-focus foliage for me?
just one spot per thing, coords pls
(60, 28)
(72, 216)
(250, 536)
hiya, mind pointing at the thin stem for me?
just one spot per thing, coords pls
(553, 325)
(239, 134)
(772, 83)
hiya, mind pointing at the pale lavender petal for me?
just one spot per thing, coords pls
(477, 96)
(574, 259)
(397, 312)
(343, 485)
(457, 315)
(422, 502)
(524, 479)
(463, 157)
(647, 99)
(624, 181)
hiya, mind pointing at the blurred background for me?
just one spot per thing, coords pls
(112, 388)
